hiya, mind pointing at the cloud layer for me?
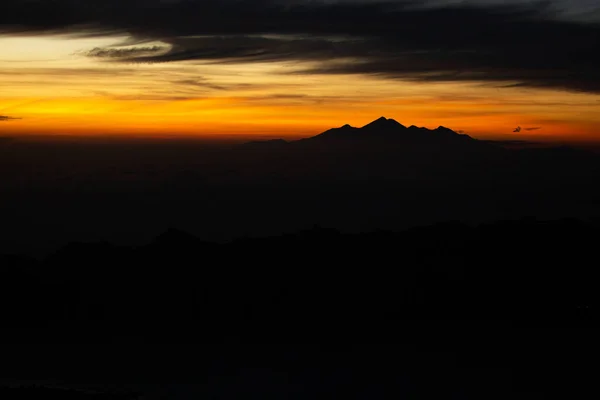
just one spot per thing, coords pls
(518, 44)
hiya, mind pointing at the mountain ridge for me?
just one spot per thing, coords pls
(380, 130)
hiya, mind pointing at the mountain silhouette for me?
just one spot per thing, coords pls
(380, 132)
(383, 123)
(389, 129)
(381, 128)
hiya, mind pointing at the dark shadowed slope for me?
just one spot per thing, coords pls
(527, 271)
(453, 311)
(489, 295)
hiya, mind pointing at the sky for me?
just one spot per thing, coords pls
(293, 68)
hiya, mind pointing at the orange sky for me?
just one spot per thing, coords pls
(54, 90)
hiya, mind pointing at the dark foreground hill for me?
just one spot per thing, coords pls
(502, 310)
(525, 271)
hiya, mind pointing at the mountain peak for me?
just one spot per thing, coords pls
(384, 122)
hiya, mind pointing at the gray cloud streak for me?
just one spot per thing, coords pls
(120, 53)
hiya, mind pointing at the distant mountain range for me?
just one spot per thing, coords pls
(389, 129)
(382, 149)
(381, 131)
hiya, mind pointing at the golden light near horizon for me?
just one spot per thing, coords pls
(54, 89)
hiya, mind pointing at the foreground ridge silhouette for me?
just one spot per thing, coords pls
(447, 310)
(525, 270)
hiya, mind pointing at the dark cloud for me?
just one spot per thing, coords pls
(7, 118)
(195, 84)
(257, 49)
(514, 44)
(201, 83)
(535, 128)
(112, 52)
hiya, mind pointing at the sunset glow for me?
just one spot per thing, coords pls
(60, 85)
